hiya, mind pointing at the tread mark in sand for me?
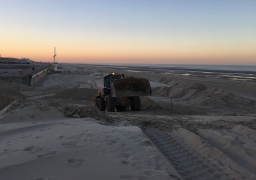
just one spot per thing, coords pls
(188, 163)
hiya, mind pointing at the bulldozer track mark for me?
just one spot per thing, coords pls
(191, 163)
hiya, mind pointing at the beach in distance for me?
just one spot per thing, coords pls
(199, 123)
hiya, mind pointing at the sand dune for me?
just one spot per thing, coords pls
(64, 148)
(52, 131)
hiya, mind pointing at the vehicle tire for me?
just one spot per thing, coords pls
(102, 104)
(123, 108)
(118, 108)
(111, 104)
(97, 102)
(136, 103)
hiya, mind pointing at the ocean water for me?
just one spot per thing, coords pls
(223, 67)
(251, 68)
(200, 67)
(231, 72)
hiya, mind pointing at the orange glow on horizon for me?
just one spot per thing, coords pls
(161, 52)
(147, 58)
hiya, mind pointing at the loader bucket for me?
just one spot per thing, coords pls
(130, 86)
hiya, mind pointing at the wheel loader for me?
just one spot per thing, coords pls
(120, 92)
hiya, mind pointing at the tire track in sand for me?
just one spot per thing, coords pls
(194, 158)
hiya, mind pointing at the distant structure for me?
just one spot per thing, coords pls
(54, 55)
(10, 60)
(54, 64)
(25, 61)
(24, 70)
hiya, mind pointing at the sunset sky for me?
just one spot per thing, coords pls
(130, 31)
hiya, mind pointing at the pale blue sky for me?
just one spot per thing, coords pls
(147, 23)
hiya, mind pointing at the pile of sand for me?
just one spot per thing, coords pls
(162, 91)
(165, 80)
(199, 94)
(230, 97)
(149, 104)
(9, 92)
(178, 91)
(198, 86)
(78, 93)
(210, 101)
(132, 84)
(86, 111)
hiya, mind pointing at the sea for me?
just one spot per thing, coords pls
(246, 68)
(230, 72)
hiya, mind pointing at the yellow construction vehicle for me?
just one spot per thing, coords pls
(120, 92)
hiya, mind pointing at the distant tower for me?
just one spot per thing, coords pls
(54, 56)
(54, 64)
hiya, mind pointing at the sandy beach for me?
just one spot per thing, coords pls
(196, 125)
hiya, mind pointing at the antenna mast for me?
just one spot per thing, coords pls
(54, 54)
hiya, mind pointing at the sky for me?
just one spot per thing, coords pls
(130, 31)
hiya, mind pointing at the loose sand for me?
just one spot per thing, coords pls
(192, 127)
